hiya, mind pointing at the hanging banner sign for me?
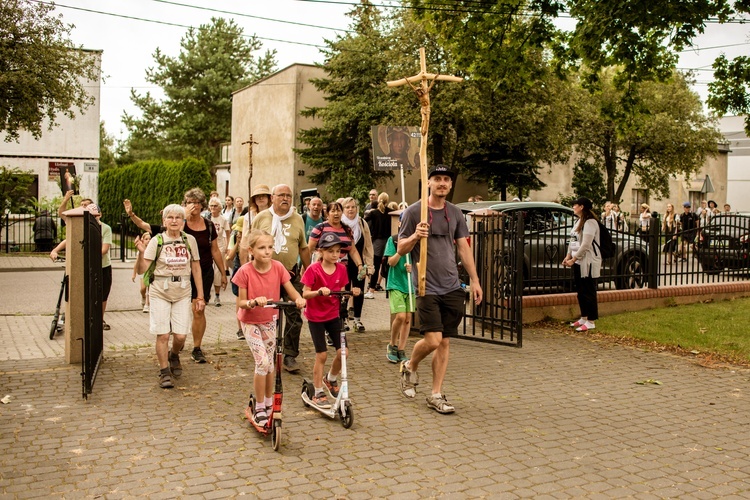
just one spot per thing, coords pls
(394, 148)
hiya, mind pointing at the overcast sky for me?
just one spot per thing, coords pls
(124, 30)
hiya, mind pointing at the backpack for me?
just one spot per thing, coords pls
(606, 246)
(209, 225)
(148, 276)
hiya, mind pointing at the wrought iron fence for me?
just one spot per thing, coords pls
(18, 233)
(717, 252)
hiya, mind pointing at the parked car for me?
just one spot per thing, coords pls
(547, 228)
(724, 243)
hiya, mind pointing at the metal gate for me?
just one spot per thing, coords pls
(497, 244)
(93, 340)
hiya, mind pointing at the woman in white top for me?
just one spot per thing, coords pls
(644, 220)
(584, 256)
(609, 217)
(170, 293)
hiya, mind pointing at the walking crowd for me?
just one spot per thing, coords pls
(271, 251)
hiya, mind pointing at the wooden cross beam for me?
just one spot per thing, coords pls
(249, 143)
(426, 81)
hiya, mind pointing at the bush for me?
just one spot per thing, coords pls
(150, 185)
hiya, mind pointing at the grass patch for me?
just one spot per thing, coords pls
(716, 332)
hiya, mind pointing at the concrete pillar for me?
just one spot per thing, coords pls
(75, 318)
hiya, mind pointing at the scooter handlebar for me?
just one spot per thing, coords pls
(341, 293)
(277, 304)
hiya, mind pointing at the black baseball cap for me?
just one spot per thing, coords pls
(442, 170)
(328, 240)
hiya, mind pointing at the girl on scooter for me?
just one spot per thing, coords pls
(324, 276)
(259, 282)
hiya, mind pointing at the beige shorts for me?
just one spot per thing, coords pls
(167, 316)
(217, 277)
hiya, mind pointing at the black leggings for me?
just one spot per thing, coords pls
(377, 260)
(586, 288)
(359, 300)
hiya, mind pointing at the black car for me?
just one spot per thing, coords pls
(724, 243)
(547, 228)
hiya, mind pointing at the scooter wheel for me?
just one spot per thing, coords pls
(348, 419)
(309, 390)
(276, 436)
(53, 329)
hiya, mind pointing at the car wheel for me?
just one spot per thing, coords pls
(631, 272)
(711, 266)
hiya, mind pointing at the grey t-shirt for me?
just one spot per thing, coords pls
(446, 226)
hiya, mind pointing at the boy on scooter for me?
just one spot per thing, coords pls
(327, 274)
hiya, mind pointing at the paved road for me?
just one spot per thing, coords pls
(562, 417)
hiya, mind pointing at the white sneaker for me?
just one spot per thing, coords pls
(585, 327)
(369, 295)
(146, 308)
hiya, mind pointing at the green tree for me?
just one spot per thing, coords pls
(588, 181)
(664, 135)
(14, 189)
(195, 116)
(357, 98)
(642, 39)
(106, 149)
(730, 90)
(42, 74)
(512, 112)
(639, 37)
(502, 167)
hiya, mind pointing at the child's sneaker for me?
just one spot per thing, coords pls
(217, 301)
(358, 326)
(409, 381)
(333, 386)
(328, 339)
(391, 353)
(321, 401)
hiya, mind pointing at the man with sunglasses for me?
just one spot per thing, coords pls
(441, 309)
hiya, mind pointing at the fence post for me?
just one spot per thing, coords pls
(123, 226)
(517, 298)
(654, 251)
(7, 232)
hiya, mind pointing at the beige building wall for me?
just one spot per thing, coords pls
(269, 110)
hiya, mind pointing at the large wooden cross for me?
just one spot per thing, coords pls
(426, 82)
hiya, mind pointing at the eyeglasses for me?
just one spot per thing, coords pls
(188, 202)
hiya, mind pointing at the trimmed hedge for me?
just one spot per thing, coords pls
(150, 186)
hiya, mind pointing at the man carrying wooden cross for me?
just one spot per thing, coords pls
(443, 304)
